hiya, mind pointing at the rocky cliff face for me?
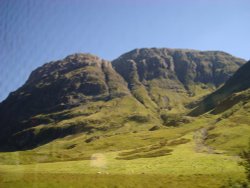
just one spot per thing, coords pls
(169, 77)
(155, 80)
(186, 66)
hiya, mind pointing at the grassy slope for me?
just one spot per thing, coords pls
(122, 152)
(184, 165)
(233, 129)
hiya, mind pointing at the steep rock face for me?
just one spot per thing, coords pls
(188, 66)
(78, 79)
(186, 73)
(240, 81)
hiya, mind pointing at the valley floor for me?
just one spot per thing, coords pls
(182, 162)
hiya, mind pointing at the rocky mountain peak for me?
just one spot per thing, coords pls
(186, 66)
(151, 79)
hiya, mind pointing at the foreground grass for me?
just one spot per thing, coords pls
(128, 157)
(183, 167)
(42, 180)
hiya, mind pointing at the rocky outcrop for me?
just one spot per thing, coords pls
(186, 66)
(167, 78)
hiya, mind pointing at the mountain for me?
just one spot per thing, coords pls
(84, 94)
(56, 86)
(171, 78)
(231, 93)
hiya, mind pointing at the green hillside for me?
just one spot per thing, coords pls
(237, 83)
(150, 118)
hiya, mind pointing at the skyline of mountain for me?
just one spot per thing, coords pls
(159, 80)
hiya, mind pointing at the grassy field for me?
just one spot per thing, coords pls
(169, 157)
(112, 181)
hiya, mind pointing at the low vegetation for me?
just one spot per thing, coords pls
(93, 123)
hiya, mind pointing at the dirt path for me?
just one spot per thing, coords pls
(200, 137)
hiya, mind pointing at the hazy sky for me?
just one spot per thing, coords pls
(37, 31)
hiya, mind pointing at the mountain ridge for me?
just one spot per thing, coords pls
(237, 83)
(152, 80)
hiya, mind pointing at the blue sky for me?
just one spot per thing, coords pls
(33, 32)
